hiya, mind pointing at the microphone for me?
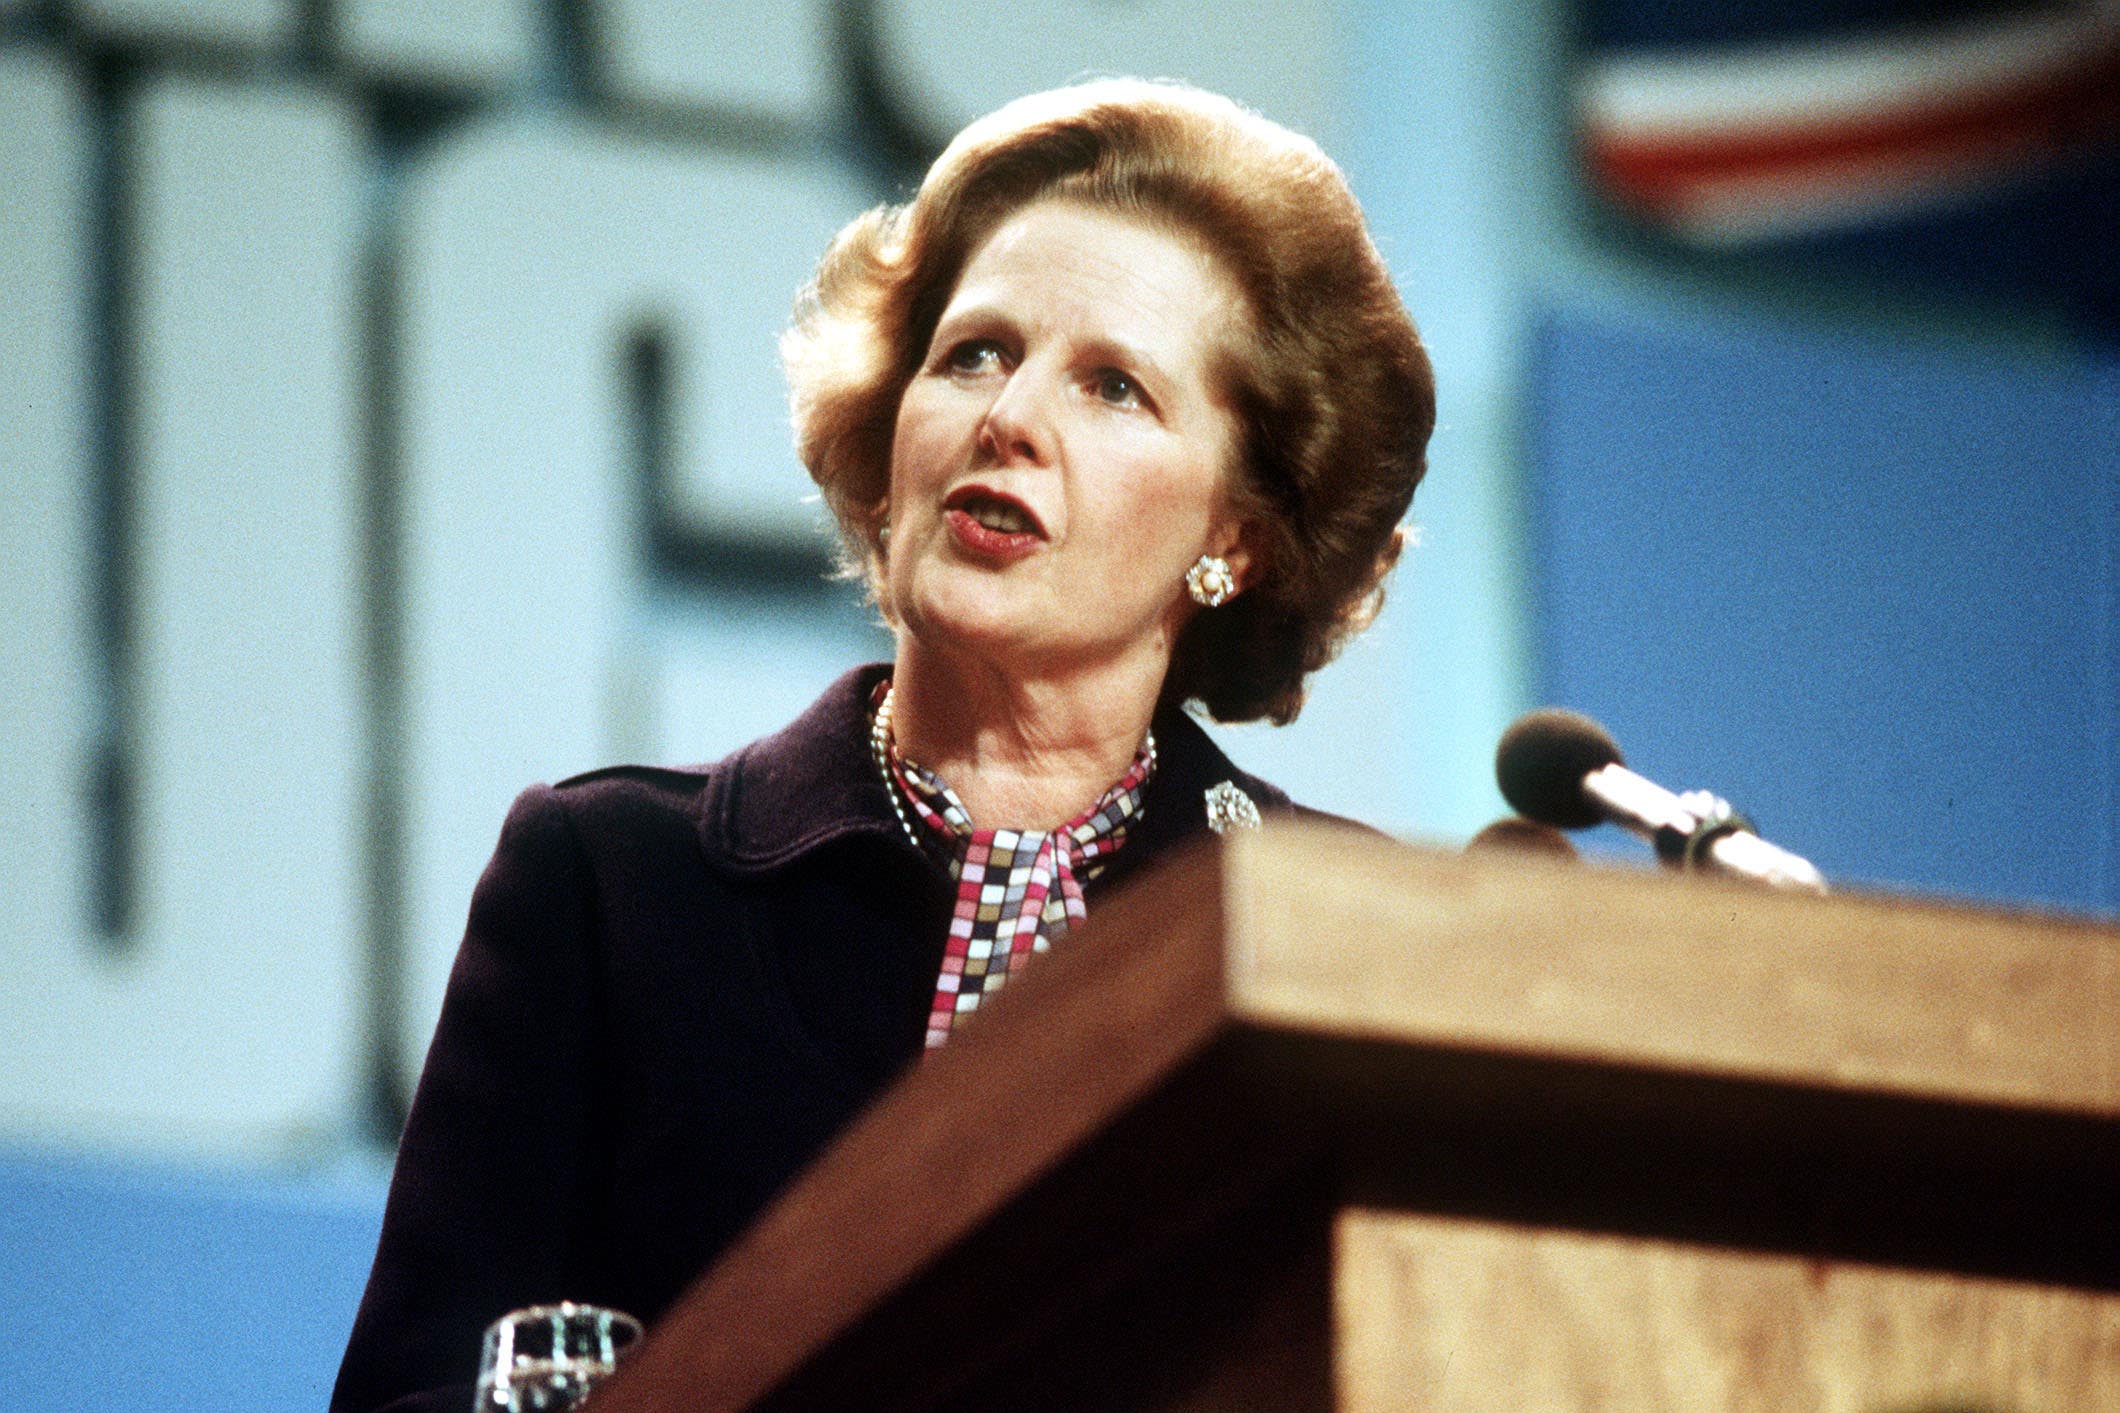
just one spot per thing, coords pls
(1564, 769)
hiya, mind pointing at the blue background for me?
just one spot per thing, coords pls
(1866, 591)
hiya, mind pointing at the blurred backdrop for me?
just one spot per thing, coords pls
(389, 417)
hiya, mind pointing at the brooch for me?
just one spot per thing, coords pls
(1230, 808)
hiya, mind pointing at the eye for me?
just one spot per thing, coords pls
(973, 356)
(1116, 388)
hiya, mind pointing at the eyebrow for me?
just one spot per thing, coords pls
(1132, 356)
(1101, 348)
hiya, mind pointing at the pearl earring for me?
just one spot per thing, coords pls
(1210, 581)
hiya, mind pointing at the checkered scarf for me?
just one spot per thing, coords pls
(1017, 890)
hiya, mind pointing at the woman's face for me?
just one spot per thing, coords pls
(1060, 456)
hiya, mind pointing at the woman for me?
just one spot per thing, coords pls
(1121, 412)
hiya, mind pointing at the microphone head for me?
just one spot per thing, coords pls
(1542, 760)
(1517, 835)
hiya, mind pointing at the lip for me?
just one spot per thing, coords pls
(982, 542)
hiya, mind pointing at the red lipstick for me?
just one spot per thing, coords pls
(992, 525)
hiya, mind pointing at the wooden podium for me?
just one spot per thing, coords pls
(1321, 1121)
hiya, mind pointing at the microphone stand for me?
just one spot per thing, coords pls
(1697, 831)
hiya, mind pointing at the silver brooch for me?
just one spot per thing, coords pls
(1230, 808)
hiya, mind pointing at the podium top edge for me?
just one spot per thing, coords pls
(1337, 933)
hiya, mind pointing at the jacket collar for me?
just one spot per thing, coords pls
(814, 782)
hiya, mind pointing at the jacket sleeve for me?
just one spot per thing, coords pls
(484, 1213)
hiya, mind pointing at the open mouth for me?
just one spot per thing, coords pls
(1002, 514)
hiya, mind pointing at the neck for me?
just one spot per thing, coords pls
(1021, 751)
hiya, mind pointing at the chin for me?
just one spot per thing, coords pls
(961, 616)
(988, 636)
(988, 619)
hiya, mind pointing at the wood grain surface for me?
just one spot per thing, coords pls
(1362, 937)
(1434, 1313)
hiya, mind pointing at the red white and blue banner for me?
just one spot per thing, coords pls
(1760, 123)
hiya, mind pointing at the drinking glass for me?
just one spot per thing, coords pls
(546, 1358)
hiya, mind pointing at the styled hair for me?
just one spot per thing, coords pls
(1332, 390)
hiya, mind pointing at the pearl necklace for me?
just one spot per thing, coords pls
(880, 751)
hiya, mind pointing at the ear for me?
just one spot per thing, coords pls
(1242, 545)
(876, 553)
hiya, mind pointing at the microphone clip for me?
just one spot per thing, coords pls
(1688, 847)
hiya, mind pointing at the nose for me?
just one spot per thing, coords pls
(1018, 420)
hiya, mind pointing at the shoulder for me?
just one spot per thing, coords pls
(1197, 773)
(620, 797)
(1193, 768)
(774, 800)
(559, 832)
(1197, 789)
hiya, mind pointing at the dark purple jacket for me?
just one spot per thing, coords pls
(675, 987)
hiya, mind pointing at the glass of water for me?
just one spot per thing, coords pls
(546, 1358)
